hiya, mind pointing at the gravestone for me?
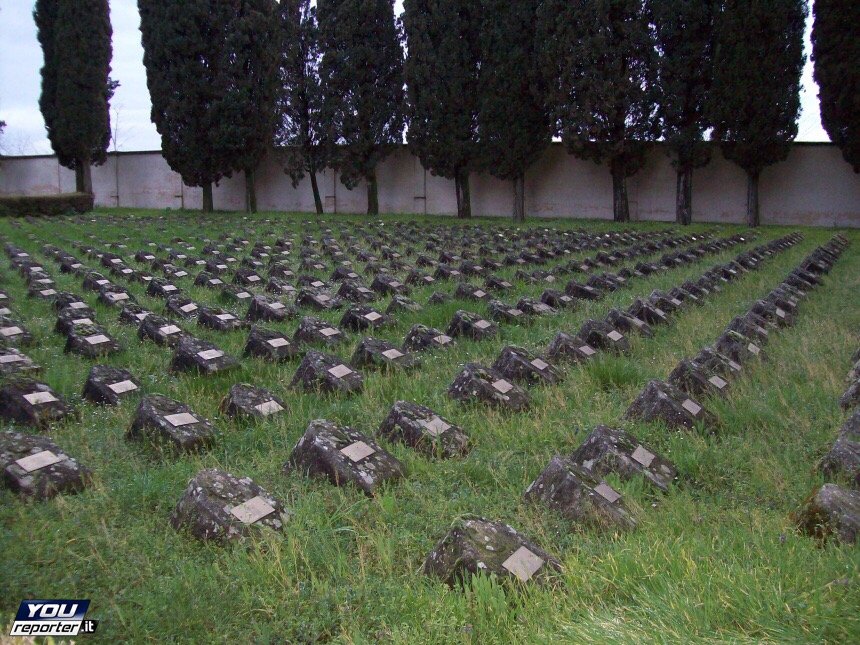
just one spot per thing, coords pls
(660, 401)
(247, 278)
(271, 345)
(245, 400)
(611, 450)
(13, 361)
(279, 287)
(495, 283)
(520, 365)
(438, 298)
(582, 292)
(471, 325)
(181, 307)
(159, 288)
(90, 341)
(344, 456)
(627, 324)
(68, 319)
(160, 330)
(320, 372)
(376, 353)
(236, 295)
(644, 310)
(263, 308)
(402, 303)
(219, 319)
(738, 347)
(31, 403)
(387, 285)
(360, 318)
(470, 292)
(354, 291)
(664, 302)
(579, 497)
(715, 363)
(315, 331)
(93, 281)
(696, 382)
(601, 335)
(317, 300)
(831, 512)
(504, 313)
(420, 338)
(750, 328)
(73, 302)
(570, 349)
(219, 507)
(14, 333)
(534, 307)
(477, 384)
(843, 459)
(35, 468)
(208, 280)
(476, 545)
(164, 421)
(850, 399)
(421, 428)
(132, 314)
(196, 355)
(109, 385)
(557, 299)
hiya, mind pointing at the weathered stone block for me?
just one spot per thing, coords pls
(245, 400)
(376, 353)
(421, 428)
(471, 325)
(160, 331)
(697, 382)
(477, 384)
(271, 345)
(571, 349)
(90, 341)
(660, 401)
(219, 319)
(109, 385)
(831, 512)
(196, 355)
(35, 468)
(601, 335)
(420, 338)
(31, 403)
(263, 308)
(164, 421)
(360, 318)
(14, 361)
(520, 365)
(315, 331)
(326, 373)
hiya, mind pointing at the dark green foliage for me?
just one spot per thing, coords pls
(684, 32)
(76, 44)
(755, 99)
(513, 120)
(299, 130)
(25, 205)
(361, 74)
(836, 52)
(442, 77)
(598, 58)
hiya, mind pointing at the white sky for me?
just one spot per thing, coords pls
(21, 60)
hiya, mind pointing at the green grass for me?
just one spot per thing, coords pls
(716, 559)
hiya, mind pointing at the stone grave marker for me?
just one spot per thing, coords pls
(31, 403)
(738, 347)
(236, 295)
(133, 314)
(715, 363)
(219, 319)
(164, 421)
(360, 318)
(271, 345)
(355, 291)
(647, 311)
(14, 333)
(35, 468)
(831, 512)
(582, 292)
(160, 330)
(843, 459)
(343, 456)
(471, 325)
(68, 319)
(420, 338)
(402, 303)
(315, 331)
(850, 399)
(161, 288)
(13, 361)
(520, 365)
(421, 428)
(477, 384)
(601, 335)
(661, 401)
(570, 349)
(109, 385)
(245, 400)
(90, 341)
(196, 355)
(504, 313)
(317, 300)
(326, 373)
(696, 382)
(376, 353)
(247, 278)
(181, 307)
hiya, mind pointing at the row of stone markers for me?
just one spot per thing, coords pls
(834, 509)
(503, 384)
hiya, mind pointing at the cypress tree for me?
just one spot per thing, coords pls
(299, 130)
(836, 53)
(598, 57)
(441, 69)
(245, 113)
(75, 36)
(755, 99)
(513, 123)
(361, 74)
(684, 31)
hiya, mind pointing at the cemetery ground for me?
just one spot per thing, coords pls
(717, 557)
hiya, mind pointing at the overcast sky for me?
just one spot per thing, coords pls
(21, 60)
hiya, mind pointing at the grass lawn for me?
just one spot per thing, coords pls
(715, 559)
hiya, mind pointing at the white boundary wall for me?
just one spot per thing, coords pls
(814, 186)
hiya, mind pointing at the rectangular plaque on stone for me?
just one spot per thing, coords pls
(357, 451)
(753, 348)
(102, 283)
(717, 382)
(277, 306)
(122, 386)
(10, 358)
(442, 339)
(587, 350)
(660, 312)
(47, 292)
(675, 302)
(502, 386)
(117, 296)
(78, 305)
(339, 371)
(642, 456)
(614, 336)
(253, 278)
(225, 317)
(215, 281)
(329, 331)
(523, 564)
(252, 511)
(269, 407)
(482, 324)
(181, 419)
(540, 364)
(188, 308)
(37, 398)
(515, 312)
(392, 353)
(691, 406)
(364, 290)
(373, 316)
(435, 426)
(210, 354)
(243, 294)
(395, 285)
(167, 330)
(322, 297)
(479, 294)
(82, 321)
(735, 366)
(98, 339)
(278, 342)
(39, 460)
(168, 288)
(638, 322)
(11, 331)
(317, 284)
(607, 492)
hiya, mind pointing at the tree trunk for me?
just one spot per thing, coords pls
(372, 195)
(207, 198)
(620, 207)
(250, 191)
(752, 199)
(684, 197)
(520, 199)
(317, 200)
(83, 177)
(464, 195)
